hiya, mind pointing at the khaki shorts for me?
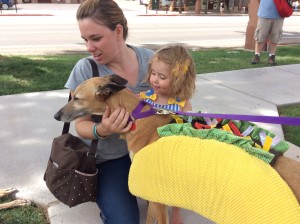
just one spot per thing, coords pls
(268, 28)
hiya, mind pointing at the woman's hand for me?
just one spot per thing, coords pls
(116, 122)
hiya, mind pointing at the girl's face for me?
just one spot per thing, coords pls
(161, 77)
(101, 42)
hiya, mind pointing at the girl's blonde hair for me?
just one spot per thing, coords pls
(182, 69)
(103, 12)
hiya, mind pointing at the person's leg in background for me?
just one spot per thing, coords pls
(261, 36)
(117, 204)
(275, 37)
(272, 51)
(259, 47)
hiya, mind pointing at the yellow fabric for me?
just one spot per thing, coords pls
(226, 128)
(178, 119)
(180, 103)
(153, 97)
(268, 143)
(144, 95)
(215, 179)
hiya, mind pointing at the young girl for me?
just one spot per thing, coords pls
(171, 74)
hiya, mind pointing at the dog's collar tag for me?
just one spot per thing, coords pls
(133, 127)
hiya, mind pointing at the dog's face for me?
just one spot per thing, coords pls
(89, 97)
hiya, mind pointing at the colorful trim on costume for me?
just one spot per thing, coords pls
(246, 135)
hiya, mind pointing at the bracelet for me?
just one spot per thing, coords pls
(96, 135)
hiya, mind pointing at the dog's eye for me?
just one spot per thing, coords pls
(76, 98)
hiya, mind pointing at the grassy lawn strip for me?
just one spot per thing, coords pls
(23, 74)
(291, 133)
(219, 60)
(30, 214)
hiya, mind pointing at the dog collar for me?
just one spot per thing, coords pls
(137, 113)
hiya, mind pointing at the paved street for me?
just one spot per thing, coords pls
(50, 28)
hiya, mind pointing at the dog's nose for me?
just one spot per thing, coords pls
(57, 116)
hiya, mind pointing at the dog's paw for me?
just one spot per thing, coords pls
(15, 203)
(7, 191)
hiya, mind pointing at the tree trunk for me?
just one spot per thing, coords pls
(251, 27)
(198, 6)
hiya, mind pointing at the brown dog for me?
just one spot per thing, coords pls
(14, 203)
(92, 96)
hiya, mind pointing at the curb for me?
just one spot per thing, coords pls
(26, 15)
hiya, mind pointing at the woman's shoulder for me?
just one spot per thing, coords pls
(80, 72)
(142, 50)
(83, 71)
(85, 65)
(83, 62)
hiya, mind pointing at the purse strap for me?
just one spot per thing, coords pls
(96, 118)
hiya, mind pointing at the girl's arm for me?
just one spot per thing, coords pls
(187, 107)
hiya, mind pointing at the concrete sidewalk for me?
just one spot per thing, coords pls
(28, 128)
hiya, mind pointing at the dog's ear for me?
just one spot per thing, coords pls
(117, 79)
(109, 89)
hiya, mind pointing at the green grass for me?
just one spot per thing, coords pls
(218, 60)
(23, 74)
(22, 215)
(291, 133)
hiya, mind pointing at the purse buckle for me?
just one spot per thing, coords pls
(164, 111)
(89, 154)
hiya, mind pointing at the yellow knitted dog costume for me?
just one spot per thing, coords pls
(215, 179)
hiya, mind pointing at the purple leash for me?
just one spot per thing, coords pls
(137, 113)
(294, 121)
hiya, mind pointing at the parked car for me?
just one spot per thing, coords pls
(6, 4)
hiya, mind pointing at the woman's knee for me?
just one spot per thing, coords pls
(116, 203)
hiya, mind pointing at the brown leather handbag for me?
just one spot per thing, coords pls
(71, 174)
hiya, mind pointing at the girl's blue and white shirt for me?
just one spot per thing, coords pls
(173, 104)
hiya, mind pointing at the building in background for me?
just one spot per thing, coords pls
(173, 5)
(205, 5)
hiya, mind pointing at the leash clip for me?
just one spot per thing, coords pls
(164, 111)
